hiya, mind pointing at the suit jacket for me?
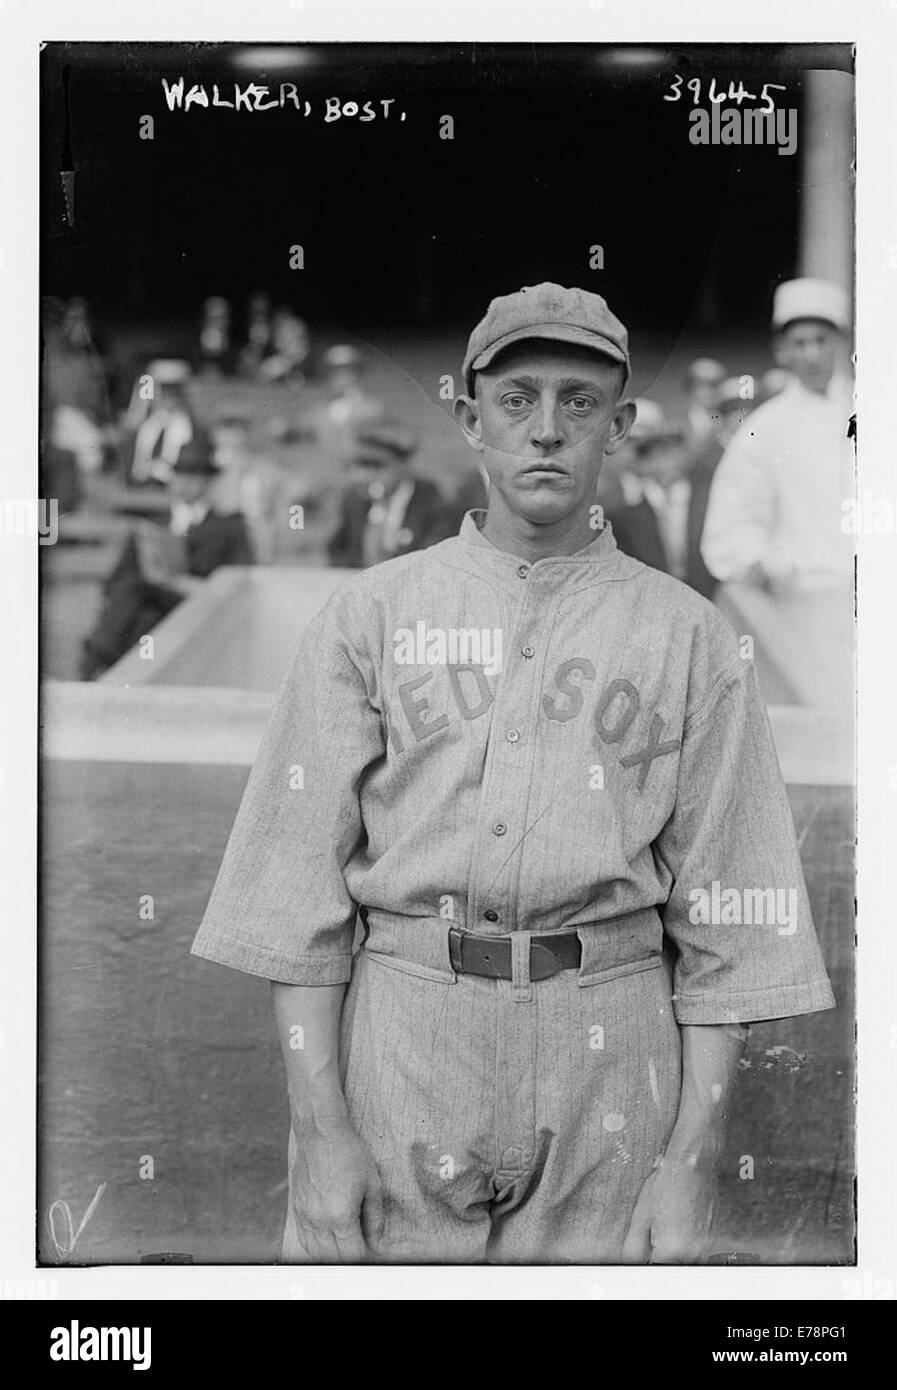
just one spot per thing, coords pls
(637, 533)
(219, 539)
(428, 518)
(703, 468)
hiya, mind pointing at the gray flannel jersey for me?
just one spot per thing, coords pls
(466, 738)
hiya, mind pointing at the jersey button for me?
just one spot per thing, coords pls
(499, 828)
(528, 650)
(523, 571)
(490, 914)
(512, 736)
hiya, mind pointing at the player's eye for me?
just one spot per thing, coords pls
(515, 402)
(580, 403)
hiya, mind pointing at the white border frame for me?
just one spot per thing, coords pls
(873, 27)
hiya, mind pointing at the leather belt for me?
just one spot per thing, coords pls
(491, 955)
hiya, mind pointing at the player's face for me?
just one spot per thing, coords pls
(544, 416)
(808, 349)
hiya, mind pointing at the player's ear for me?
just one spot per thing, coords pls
(467, 414)
(621, 424)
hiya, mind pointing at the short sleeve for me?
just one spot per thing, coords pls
(280, 907)
(738, 913)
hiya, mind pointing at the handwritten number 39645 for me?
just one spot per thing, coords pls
(737, 94)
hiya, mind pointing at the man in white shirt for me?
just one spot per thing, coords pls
(775, 508)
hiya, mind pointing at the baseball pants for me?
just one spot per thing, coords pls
(507, 1129)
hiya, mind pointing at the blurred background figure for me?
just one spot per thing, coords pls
(774, 512)
(649, 511)
(287, 359)
(258, 335)
(159, 422)
(702, 382)
(387, 510)
(77, 430)
(346, 403)
(774, 380)
(215, 354)
(160, 565)
(732, 409)
(253, 484)
(212, 536)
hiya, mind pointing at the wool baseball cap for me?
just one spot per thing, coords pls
(810, 299)
(546, 311)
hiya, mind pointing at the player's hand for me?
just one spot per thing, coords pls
(673, 1215)
(337, 1195)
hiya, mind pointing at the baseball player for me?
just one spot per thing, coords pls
(541, 774)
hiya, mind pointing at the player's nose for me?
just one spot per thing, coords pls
(546, 425)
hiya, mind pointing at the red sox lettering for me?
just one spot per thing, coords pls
(616, 715)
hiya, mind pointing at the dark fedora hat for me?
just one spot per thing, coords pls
(196, 458)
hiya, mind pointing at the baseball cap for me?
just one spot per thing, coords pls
(546, 311)
(810, 299)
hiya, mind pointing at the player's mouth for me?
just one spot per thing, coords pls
(545, 469)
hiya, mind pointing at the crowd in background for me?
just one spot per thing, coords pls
(744, 485)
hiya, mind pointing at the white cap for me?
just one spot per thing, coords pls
(810, 299)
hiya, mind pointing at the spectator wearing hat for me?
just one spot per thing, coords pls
(159, 566)
(215, 355)
(732, 409)
(287, 360)
(159, 425)
(346, 404)
(649, 512)
(388, 510)
(77, 438)
(774, 512)
(702, 382)
(258, 335)
(211, 537)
